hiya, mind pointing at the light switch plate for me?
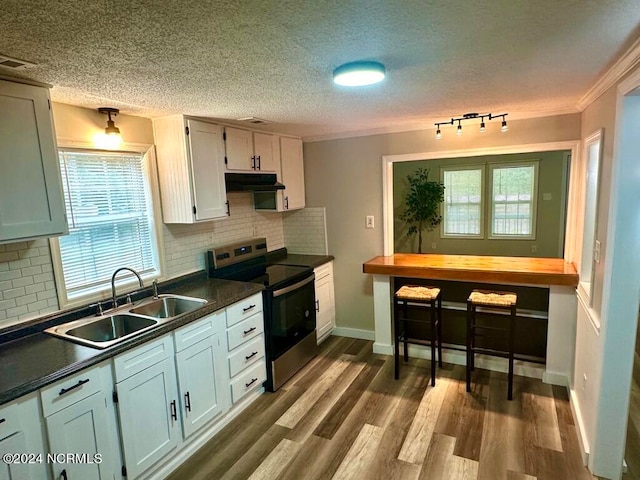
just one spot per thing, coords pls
(370, 221)
(596, 252)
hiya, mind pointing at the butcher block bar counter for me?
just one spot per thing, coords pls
(557, 277)
(474, 268)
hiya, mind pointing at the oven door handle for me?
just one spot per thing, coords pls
(293, 287)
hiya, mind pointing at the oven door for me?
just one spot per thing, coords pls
(293, 315)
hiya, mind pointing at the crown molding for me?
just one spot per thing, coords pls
(619, 69)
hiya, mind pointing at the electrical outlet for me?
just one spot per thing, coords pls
(433, 245)
(370, 221)
(596, 252)
(255, 230)
(584, 382)
(534, 248)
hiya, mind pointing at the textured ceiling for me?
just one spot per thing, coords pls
(274, 59)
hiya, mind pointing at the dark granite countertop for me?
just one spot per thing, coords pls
(36, 359)
(282, 257)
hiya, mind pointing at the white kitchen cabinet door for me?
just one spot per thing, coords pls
(201, 380)
(149, 424)
(267, 152)
(190, 158)
(83, 428)
(21, 431)
(292, 173)
(325, 301)
(14, 444)
(31, 199)
(239, 149)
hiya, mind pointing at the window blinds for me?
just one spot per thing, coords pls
(108, 207)
(462, 202)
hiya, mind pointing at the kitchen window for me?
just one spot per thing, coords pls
(513, 200)
(111, 223)
(462, 208)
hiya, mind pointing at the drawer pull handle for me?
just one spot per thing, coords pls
(79, 384)
(187, 402)
(247, 357)
(317, 305)
(253, 380)
(248, 308)
(174, 411)
(247, 332)
(2, 420)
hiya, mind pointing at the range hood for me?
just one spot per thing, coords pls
(252, 182)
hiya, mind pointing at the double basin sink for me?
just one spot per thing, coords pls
(126, 322)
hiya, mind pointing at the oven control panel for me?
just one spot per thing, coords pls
(230, 254)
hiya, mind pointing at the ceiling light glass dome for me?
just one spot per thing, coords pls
(358, 74)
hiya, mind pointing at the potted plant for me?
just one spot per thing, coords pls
(422, 204)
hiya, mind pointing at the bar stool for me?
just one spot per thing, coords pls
(431, 298)
(493, 300)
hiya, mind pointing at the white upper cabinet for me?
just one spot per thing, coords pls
(190, 169)
(250, 151)
(31, 200)
(292, 173)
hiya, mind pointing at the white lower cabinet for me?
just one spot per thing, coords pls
(21, 434)
(81, 426)
(147, 404)
(325, 301)
(201, 377)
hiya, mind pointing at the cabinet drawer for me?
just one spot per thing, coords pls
(323, 270)
(245, 330)
(144, 356)
(246, 355)
(9, 420)
(198, 330)
(72, 389)
(244, 309)
(248, 380)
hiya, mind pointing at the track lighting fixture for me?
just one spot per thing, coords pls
(470, 116)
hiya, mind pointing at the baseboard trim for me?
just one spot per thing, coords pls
(556, 379)
(577, 417)
(191, 445)
(354, 333)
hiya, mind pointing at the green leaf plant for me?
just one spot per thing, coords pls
(422, 204)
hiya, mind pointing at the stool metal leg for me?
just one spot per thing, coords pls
(405, 324)
(440, 330)
(434, 339)
(469, 352)
(512, 327)
(396, 340)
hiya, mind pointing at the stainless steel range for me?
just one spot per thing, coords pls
(289, 304)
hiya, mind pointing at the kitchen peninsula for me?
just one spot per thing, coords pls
(555, 274)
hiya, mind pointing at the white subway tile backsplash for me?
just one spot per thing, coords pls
(305, 231)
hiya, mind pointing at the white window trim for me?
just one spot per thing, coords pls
(476, 166)
(534, 204)
(123, 283)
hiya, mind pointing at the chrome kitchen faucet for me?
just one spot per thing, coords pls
(113, 283)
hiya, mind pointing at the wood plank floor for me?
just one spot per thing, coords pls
(345, 417)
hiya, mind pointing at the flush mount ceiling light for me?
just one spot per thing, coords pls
(470, 116)
(111, 138)
(358, 74)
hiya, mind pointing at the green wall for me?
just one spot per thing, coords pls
(549, 238)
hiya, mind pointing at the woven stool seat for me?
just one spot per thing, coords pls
(493, 299)
(412, 292)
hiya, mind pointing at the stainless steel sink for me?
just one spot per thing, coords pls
(168, 306)
(102, 332)
(126, 321)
